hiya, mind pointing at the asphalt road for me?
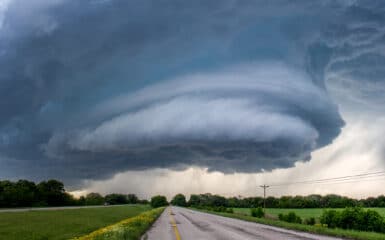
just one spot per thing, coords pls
(184, 224)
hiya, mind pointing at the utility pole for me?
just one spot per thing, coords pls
(264, 197)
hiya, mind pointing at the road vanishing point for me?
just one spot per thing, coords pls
(177, 223)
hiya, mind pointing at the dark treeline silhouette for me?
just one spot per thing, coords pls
(24, 193)
(311, 201)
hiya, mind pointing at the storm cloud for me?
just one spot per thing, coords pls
(92, 88)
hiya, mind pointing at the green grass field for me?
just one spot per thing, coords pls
(303, 213)
(62, 224)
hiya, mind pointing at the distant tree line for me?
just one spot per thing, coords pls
(311, 201)
(110, 199)
(24, 193)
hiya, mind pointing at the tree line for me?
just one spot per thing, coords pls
(310, 201)
(24, 193)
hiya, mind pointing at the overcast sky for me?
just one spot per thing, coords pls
(168, 96)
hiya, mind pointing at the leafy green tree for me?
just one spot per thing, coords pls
(194, 200)
(158, 201)
(179, 200)
(7, 194)
(132, 199)
(143, 201)
(26, 193)
(52, 193)
(94, 199)
(116, 198)
(81, 201)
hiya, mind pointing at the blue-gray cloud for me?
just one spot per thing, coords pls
(90, 88)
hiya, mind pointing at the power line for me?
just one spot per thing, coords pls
(354, 181)
(345, 179)
(335, 179)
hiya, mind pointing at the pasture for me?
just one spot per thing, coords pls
(62, 224)
(302, 212)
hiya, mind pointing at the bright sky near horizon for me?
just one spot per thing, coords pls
(193, 96)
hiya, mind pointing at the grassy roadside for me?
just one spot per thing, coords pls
(128, 229)
(349, 234)
(62, 224)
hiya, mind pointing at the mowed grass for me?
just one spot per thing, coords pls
(303, 213)
(62, 224)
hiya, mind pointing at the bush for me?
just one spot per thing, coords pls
(354, 218)
(291, 217)
(216, 209)
(331, 218)
(374, 221)
(229, 210)
(220, 209)
(158, 201)
(257, 212)
(351, 218)
(310, 221)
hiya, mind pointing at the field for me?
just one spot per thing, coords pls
(349, 234)
(62, 224)
(303, 213)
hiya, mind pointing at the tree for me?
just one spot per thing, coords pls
(194, 200)
(179, 200)
(52, 193)
(143, 201)
(7, 194)
(158, 201)
(132, 199)
(81, 201)
(26, 193)
(116, 198)
(94, 199)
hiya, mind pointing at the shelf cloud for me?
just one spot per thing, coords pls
(249, 118)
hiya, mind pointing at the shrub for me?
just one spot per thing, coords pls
(331, 218)
(374, 221)
(291, 217)
(229, 210)
(310, 221)
(219, 209)
(351, 218)
(257, 212)
(216, 209)
(354, 218)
